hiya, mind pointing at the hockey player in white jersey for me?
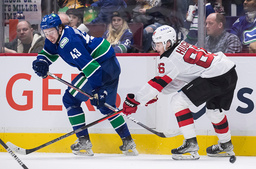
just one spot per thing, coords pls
(203, 77)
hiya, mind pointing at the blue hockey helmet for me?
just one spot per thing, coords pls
(50, 21)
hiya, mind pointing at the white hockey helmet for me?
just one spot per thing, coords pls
(164, 34)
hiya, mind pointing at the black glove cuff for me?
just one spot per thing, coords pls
(130, 101)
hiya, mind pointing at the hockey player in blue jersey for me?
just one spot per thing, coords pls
(99, 77)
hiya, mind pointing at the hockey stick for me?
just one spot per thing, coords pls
(160, 134)
(12, 154)
(28, 151)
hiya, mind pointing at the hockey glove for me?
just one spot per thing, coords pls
(152, 101)
(130, 104)
(41, 67)
(99, 98)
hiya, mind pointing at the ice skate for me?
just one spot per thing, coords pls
(221, 150)
(129, 147)
(189, 146)
(82, 146)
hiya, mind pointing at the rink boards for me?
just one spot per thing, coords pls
(32, 112)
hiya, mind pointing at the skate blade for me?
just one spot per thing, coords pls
(84, 152)
(222, 154)
(131, 152)
(192, 156)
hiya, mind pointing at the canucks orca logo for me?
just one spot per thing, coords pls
(249, 36)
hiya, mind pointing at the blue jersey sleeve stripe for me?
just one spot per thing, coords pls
(101, 50)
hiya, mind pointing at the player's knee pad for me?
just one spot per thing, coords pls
(215, 116)
(179, 102)
(69, 101)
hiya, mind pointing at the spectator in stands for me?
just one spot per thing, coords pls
(106, 8)
(245, 27)
(76, 16)
(218, 38)
(192, 35)
(154, 14)
(27, 40)
(76, 19)
(118, 33)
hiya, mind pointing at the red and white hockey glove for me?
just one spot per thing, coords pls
(152, 101)
(130, 104)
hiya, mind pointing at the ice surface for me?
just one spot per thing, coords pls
(119, 161)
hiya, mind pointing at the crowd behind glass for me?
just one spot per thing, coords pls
(139, 19)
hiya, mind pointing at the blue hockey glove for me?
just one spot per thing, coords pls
(41, 67)
(99, 98)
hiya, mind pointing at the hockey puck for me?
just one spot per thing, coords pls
(232, 159)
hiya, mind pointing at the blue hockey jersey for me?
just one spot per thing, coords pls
(245, 30)
(80, 50)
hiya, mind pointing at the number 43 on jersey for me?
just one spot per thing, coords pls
(75, 53)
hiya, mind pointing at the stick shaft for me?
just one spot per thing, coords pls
(160, 134)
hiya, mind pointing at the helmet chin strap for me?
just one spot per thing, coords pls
(165, 47)
(57, 42)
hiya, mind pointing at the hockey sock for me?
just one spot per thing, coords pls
(222, 130)
(221, 127)
(186, 123)
(120, 126)
(77, 119)
(220, 124)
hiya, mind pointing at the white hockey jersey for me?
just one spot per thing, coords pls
(181, 65)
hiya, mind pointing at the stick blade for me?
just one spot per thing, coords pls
(16, 148)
